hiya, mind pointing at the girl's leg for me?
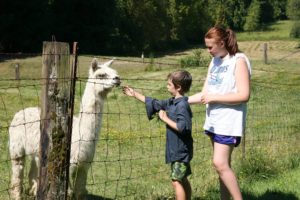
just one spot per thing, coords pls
(228, 181)
(225, 195)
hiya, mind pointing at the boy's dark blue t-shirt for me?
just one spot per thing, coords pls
(179, 145)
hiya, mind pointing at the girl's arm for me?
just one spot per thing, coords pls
(132, 93)
(197, 98)
(242, 77)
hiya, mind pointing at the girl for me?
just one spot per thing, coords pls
(225, 92)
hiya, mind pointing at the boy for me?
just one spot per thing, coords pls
(177, 115)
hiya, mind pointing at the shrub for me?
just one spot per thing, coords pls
(195, 60)
(295, 31)
(151, 66)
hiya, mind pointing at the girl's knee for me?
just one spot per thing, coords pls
(220, 165)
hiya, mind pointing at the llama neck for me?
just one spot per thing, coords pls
(91, 107)
(92, 102)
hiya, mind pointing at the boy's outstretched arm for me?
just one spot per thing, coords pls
(132, 93)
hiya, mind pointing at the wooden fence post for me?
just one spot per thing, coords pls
(17, 71)
(265, 49)
(244, 146)
(54, 121)
(142, 56)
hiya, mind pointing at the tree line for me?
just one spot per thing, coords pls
(124, 27)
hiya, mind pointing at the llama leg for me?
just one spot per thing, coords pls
(17, 178)
(72, 175)
(32, 176)
(79, 178)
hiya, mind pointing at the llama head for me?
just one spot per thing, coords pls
(103, 77)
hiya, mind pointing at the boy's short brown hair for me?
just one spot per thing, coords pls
(181, 78)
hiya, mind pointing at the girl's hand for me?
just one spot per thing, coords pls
(128, 91)
(162, 114)
(207, 98)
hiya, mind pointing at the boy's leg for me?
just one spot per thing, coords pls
(180, 183)
(187, 188)
(228, 180)
(179, 190)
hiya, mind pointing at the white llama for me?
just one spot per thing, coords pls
(24, 134)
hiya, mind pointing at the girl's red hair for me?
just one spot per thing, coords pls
(226, 35)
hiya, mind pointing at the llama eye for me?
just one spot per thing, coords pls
(101, 75)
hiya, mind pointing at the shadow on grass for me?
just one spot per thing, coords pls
(94, 197)
(271, 195)
(268, 195)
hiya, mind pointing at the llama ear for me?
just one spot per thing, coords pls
(108, 63)
(94, 64)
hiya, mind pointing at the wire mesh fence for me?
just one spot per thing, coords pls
(129, 159)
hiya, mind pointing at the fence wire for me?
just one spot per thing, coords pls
(130, 153)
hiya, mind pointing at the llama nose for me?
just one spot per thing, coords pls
(118, 80)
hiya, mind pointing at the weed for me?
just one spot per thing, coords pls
(257, 166)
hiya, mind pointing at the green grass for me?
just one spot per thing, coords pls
(129, 160)
(279, 30)
(283, 187)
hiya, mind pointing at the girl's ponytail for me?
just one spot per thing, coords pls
(231, 42)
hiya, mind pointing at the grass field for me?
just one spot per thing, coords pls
(129, 162)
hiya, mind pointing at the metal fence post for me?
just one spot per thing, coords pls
(71, 111)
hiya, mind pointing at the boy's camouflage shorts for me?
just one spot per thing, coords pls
(180, 170)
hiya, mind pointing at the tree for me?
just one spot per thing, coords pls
(279, 7)
(189, 20)
(88, 22)
(230, 13)
(129, 26)
(153, 25)
(267, 12)
(197, 22)
(144, 23)
(21, 25)
(293, 11)
(253, 16)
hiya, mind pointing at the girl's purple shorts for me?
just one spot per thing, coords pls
(223, 139)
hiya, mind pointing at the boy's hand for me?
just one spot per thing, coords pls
(164, 117)
(162, 114)
(128, 91)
